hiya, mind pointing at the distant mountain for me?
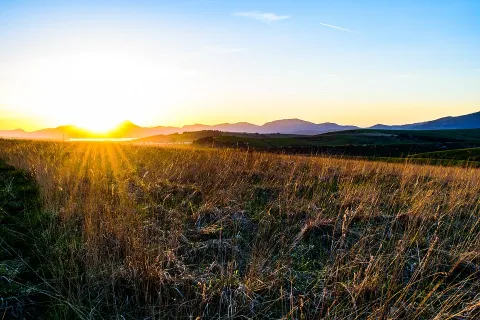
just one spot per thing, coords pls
(58, 133)
(226, 127)
(325, 128)
(468, 121)
(288, 126)
(17, 133)
(128, 129)
(62, 132)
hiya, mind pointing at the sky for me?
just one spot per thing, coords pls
(96, 63)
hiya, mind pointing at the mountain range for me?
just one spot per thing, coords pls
(468, 121)
(128, 129)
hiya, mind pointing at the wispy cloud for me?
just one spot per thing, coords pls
(343, 29)
(261, 16)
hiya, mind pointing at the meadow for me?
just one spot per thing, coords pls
(118, 231)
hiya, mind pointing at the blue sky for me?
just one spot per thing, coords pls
(182, 62)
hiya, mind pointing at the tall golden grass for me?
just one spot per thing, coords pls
(150, 232)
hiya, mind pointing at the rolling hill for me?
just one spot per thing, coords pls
(361, 142)
(189, 137)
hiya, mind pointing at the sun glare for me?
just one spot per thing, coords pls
(97, 124)
(96, 88)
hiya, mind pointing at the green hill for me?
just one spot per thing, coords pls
(363, 142)
(188, 137)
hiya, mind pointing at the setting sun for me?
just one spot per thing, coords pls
(96, 86)
(98, 124)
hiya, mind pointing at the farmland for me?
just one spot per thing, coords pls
(102, 230)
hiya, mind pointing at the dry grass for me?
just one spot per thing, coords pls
(147, 232)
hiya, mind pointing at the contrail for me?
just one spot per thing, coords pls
(335, 27)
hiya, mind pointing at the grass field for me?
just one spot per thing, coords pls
(116, 231)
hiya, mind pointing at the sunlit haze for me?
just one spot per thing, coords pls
(185, 62)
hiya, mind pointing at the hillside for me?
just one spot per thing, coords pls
(363, 142)
(189, 137)
(469, 154)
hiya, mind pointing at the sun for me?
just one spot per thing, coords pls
(96, 87)
(98, 124)
(98, 117)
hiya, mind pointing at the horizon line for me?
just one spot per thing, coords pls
(233, 123)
